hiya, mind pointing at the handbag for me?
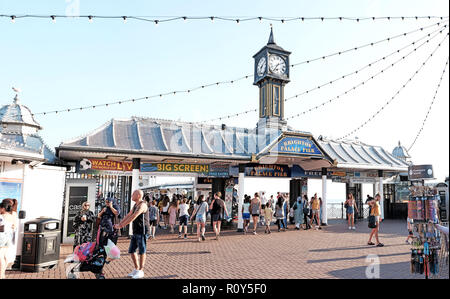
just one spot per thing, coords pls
(306, 211)
(372, 222)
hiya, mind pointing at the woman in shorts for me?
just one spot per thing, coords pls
(351, 207)
(246, 213)
(165, 210)
(184, 216)
(200, 217)
(255, 209)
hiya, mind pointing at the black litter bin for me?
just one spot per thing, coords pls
(41, 244)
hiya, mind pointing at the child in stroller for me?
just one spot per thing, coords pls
(92, 256)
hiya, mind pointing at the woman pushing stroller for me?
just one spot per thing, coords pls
(92, 256)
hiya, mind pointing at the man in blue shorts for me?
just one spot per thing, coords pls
(138, 216)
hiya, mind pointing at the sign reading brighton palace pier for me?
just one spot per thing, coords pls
(297, 145)
(281, 171)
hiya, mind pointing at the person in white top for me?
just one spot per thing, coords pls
(8, 223)
(264, 201)
(246, 213)
(184, 216)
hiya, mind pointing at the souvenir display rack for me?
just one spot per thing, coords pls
(423, 213)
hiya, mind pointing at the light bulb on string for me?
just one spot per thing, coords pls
(13, 19)
(90, 19)
(124, 19)
(53, 19)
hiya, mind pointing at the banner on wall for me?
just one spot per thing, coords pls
(97, 166)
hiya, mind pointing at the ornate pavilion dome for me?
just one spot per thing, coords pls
(19, 132)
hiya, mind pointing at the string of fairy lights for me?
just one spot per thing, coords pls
(394, 96)
(231, 19)
(371, 64)
(237, 19)
(429, 108)
(203, 86)
(362, 83)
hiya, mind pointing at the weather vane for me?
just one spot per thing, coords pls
(16, 90)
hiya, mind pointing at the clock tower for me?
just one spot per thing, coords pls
(271, 74)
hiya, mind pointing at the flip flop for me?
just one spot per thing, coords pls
(370, 243)
(380, 245)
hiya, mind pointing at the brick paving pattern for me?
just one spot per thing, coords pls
(333, 252)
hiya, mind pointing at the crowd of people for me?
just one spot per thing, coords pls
(148, 213)
(304, 213)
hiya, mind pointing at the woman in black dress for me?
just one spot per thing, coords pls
(83, 225)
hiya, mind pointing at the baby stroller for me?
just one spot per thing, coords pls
(89, 257)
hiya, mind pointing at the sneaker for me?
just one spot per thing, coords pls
(203, 238)
(349, 227)
(185, 236)
(254, 233)
(353, 228)
(179, 236)
(132, 273)
(380, 245)
(139, 274)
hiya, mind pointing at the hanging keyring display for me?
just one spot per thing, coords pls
(423, 214)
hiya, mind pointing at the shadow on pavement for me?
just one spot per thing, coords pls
(353, 258)
(385, 271)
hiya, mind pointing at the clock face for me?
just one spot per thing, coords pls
(277, 65)
(261, 68)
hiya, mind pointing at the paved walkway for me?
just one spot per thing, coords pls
(333, 252)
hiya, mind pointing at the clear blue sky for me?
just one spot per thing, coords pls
(73, 63)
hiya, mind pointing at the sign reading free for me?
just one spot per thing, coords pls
(297, 145)
(174, 167)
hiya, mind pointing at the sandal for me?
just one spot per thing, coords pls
(370, 243)
(380, 245)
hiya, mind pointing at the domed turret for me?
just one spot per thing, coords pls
(17, 118)
(401, 153)
(20, 131)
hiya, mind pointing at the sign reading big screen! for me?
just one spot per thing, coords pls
(174, 167)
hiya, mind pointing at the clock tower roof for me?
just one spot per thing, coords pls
(272, 45)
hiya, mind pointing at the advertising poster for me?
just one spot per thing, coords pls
(77, 195)
(11, 190)
(98, 166)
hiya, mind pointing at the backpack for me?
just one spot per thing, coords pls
(84, 251)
